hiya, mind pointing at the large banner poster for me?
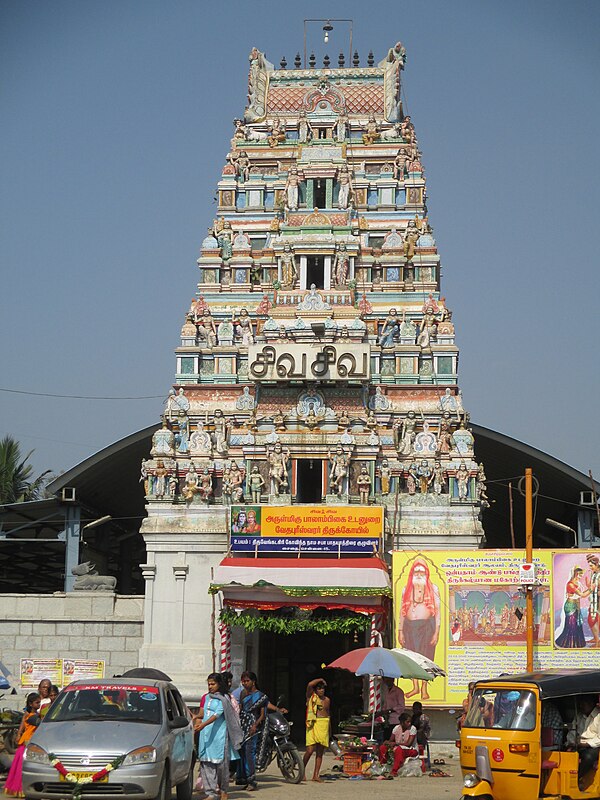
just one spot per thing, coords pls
(466, 611)
(327, 529)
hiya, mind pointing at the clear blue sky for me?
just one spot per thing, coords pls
(116, 117)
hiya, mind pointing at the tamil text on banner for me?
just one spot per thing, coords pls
(467, 611)
(75, 669)
(33, 670)
(356, 529)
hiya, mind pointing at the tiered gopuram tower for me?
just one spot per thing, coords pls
(318, 362)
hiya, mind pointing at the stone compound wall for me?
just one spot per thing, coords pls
(91, 625)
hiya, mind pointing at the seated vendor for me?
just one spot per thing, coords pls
(404, 742)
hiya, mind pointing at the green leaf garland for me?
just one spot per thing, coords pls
(275, 622)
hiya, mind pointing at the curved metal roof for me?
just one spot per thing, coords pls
(108, 482)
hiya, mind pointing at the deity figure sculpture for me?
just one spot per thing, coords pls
(176, 402)
(389, 330)
(445, 434)
(278, 467)
(411, 479)
(344, 193)
(480, 488)
(160, 479)
(239, 133)
(462, 481)
(341, 127)
(343, 421)
(163, 441)
(289, 271)
(245, 401)
(341, 266)
(364, 485)
(428, 329)
(236, 477)
(401, 164)
(385, 475)
(242, 166)
(205, 488)
(223, 233)
(200, 443)
(407, 130)
(279, 421)
(305, 131)
(449, 402)
(371, 133)
(425, 474)
(338, 471)
(392, 64)
(242, 326)
(190, 486)
(292, 190)
(172, 486)
(145, 477)
(310, 419)
(411, 237)
(255, 485)
(221, 429)
(182, 439)
(462, 439)
(406, 433)
(226, 487)
(276, 132)
(371, 422)
(439, 478)
(207, 330)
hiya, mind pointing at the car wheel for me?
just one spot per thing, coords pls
(291, 765)
(186, 787)
(164, 790)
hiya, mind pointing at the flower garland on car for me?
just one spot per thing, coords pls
(72, 777)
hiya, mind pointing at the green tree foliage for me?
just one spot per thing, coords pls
(17, 483)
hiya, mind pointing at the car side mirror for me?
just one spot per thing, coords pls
(179, 722)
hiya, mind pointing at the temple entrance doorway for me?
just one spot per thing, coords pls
(309, 480)
(287, 662)
(315, 272)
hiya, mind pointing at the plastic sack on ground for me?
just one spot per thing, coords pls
(411, 768)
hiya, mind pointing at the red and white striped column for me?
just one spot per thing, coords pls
(374, 682)
(225, 633)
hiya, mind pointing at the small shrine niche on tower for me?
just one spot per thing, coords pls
(318, 362)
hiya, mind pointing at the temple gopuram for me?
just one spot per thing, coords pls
(315, 421)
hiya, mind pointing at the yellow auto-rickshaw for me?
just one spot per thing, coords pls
(520, 736)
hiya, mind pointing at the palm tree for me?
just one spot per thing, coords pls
(17, 483)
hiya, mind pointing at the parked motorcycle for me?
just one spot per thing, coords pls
(9, 725)
(280, 746)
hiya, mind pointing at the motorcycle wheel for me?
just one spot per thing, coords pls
(291, 765)
(10, 741)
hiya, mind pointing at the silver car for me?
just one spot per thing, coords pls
(128, 737)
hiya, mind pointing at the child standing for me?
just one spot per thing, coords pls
(28, 726)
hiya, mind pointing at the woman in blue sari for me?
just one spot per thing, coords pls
(253, 707)
(220, 738)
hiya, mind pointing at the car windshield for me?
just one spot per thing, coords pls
(511, 709)
(125, 703)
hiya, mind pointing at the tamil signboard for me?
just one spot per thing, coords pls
(306, 362)
(466, 610)
(60, 671)
(319, 529)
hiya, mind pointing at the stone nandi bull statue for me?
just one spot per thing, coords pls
(87, 578)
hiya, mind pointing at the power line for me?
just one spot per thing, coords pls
(83, 396)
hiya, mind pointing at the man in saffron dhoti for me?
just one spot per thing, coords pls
(317, 724)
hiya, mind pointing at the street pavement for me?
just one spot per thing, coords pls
(273, 787)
